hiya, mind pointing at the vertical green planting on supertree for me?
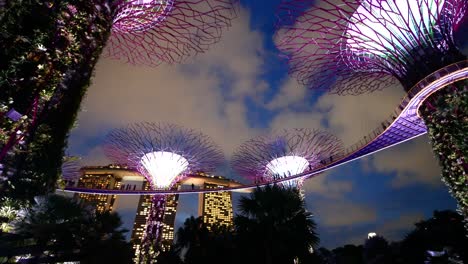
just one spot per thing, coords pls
(48, 51)
(446, 117)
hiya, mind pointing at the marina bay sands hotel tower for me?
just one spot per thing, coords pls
(214, 208)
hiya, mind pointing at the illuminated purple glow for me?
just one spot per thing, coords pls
(287, 165)
(151, 32)
(285, 153)
(163, 153)
(141, 15)
(355, 47)
(71, 167)
(368, 31)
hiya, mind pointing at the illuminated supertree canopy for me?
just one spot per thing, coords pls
(285, 153)
(162, 152)
(353, 47)
(150, 32)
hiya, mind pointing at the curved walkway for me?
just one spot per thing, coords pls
(403, 124)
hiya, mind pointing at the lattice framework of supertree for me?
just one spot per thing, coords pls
(359, 46)
(163, 154)
(354, 47)
(148, 32)
(71, 168)
(285, 153)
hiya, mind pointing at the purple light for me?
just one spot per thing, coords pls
(13, 115)
(141, 15)
(71, 169)
(164, 154)
(151, 32)
(354, 47)
(285, 153)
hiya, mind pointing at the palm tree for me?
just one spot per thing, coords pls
(274, 226)
(203, 243)
(191, 238)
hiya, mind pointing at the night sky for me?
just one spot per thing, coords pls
(240, 89)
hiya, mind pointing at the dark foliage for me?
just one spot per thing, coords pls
(59, 229)
(274, 227)
(202, 243)
(48, 50)
(377, 251)
(443, 232)
(348, 254)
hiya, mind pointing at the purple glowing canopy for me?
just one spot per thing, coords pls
(71, 168)
(150, 32)
(353, 47)
(285, 152)
(163, 153)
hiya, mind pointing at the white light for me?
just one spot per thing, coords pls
(287, 166)
(163, 167)
(378, 26)
(371, 235)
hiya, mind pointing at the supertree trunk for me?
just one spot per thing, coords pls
(49, 51)
(154, 224)
(445, 114)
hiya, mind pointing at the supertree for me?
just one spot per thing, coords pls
(164, 154)
(359, 46)
(150, 32)
(71, 171)
(48, 51)
(285, 153)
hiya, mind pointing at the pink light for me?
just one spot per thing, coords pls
(141, 15)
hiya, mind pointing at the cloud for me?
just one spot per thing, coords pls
(410, 163)
(353, 117)
(325, 187)
(343, 213)
(206, 94)
(290, 93)
(348, 117)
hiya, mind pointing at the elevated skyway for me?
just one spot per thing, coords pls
(403, 124)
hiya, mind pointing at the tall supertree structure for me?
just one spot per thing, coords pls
(164, 154)
(285, 153)
(359, 46)
(48, 51)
